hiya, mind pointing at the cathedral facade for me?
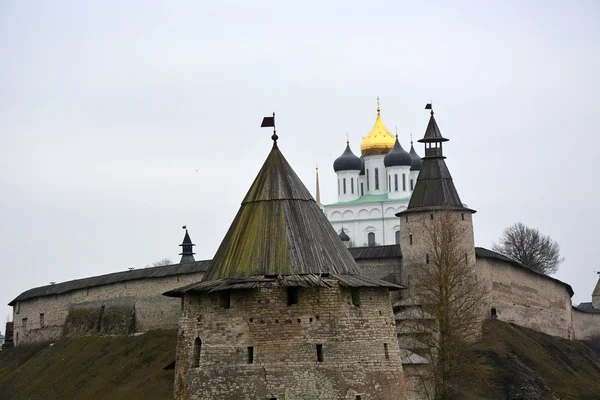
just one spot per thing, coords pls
(372, 189)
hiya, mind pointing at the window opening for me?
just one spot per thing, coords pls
(431, 217)
(42, 319)
(344, 185)
(250, 355)
(410, 239)
(427, 258)
(24, 323)
(412, 185)
(389, 183)
(367, 180)
(376, 178)
(362, 189)
(395, 182)
(196, 353)
(371, 239)
(225, 299)
(404, 182)
(355, 295)
(386, 351)
(352, 185)
(292, 295)
(462, 216)
(320, 353)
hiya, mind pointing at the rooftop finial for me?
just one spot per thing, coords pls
(411, 142)
(267, 122)
(396, 132)
(347, 138)
(429, 106)
(378, 109)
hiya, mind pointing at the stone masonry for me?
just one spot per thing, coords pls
(334, 343)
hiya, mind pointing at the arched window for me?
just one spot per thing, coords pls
(371, 239)
(196, 353)
(376, 178)
(397, 237)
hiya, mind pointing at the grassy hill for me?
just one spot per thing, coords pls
(91, 368)
(522, 364)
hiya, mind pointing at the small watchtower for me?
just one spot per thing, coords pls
(284, 311)
(187, 251)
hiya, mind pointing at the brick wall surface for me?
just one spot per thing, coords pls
(284, 339)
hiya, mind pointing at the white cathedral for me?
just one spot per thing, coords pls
(372, 189)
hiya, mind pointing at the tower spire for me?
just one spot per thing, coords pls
(187, 253)
(318, 190)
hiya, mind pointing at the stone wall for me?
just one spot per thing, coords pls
(360, 353)
(586, 325)
(42, 319)
(525, 298)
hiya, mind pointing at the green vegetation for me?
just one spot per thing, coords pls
(92, 368)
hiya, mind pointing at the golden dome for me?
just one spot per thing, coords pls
(379, 140)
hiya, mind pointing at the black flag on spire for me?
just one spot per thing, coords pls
(428, 106)
(268, 122)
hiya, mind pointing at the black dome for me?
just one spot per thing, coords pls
(416, 159)
(343, 236)
(397, 156)
(347, 161)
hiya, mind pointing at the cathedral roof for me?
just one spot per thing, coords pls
(379, 140)
(416, 159)
(347, 161)
(280, 230)
(397, 156)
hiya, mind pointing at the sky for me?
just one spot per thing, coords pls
(122, 121)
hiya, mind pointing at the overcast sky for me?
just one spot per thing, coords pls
(108, 108)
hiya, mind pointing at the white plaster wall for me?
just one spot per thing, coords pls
(153, 310)
(402, 191)
(372, 162)
(585, 325)
(349, 176)
(360, 219)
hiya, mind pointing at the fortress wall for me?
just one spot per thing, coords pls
(585, 325)
(525, 298)
(152, 309)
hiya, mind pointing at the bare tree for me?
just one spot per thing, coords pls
(450, 299)
(530, 247)
(163, 262)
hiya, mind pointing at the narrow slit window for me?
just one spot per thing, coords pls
(196, 354)
(395, 182)
(410, 239)
(466, 259)
(376, 178)
(404, 182)
(225, 299)
(368, 180)
(292, 295)
(386, 351)
(389, 183)
(352, 185)
(250, 355)
(42, 322)
(344, 185)
(320, 353)
(355, 295)
(431, 217)
(362, 189)
(427, 258)
(462, 216)
(412, 185)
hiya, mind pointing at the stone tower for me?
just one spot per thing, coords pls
(434, 194)
(284, 311)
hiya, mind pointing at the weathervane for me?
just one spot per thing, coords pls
(268, 122)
